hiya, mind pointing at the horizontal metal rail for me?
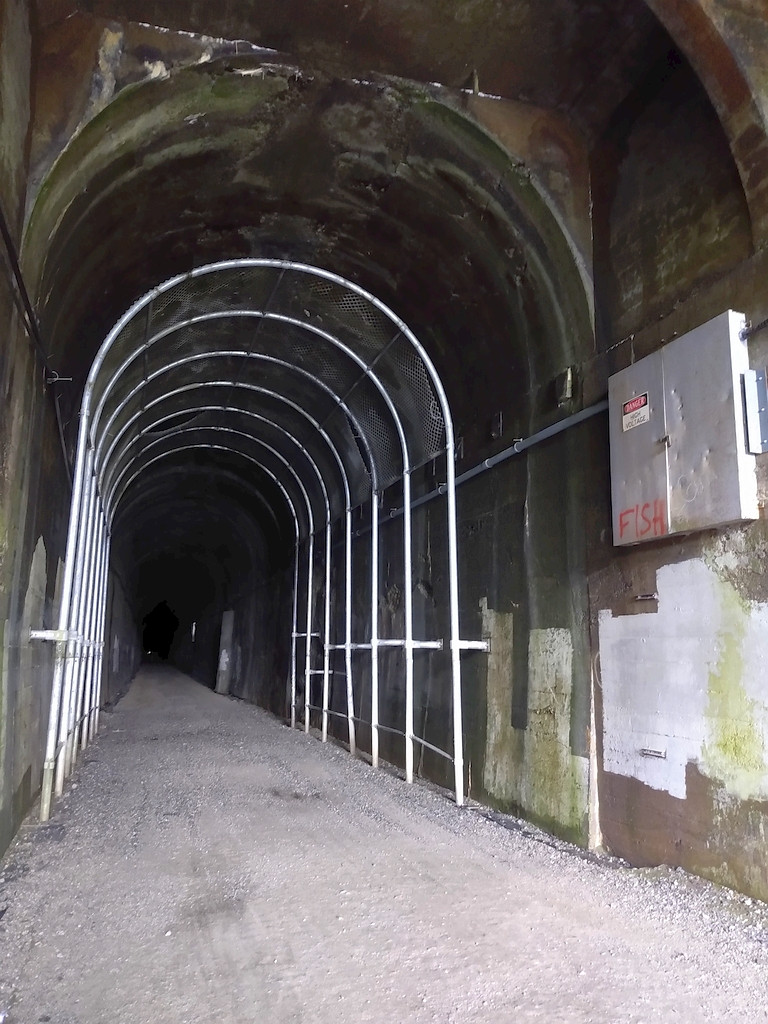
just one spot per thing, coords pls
(432, 747)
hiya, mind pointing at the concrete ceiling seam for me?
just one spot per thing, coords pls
(396, 375)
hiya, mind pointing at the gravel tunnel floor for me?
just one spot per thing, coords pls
(208, 864)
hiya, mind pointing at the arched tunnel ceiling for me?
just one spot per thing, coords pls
(385, 181)
(557, 53)
(380, 183)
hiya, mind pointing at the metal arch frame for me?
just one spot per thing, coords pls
(327, 609)
(339, 403)
(242, 385)
(310, 530)
(410, 646)
(315, 424)
(264, 357)
(261, 315)
(221, 384)
(289, 502)
(78, 542)
(113, 503)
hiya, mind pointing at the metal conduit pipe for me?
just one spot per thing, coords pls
(86, 642)
(81, 735)
(79, 599)
(83, 638)
(348, 525)
(515, 449)
(93, 723)
(62, 644)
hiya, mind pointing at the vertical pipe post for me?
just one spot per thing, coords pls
(408, 610)
(375, 628)
(90, 695)
(73, 620)
(327, 629)
(348, 631)
(100, 645)
(49, 764)
(294, 628)
(453, 598)
(77, 665)
(308, 649)
(83, 702)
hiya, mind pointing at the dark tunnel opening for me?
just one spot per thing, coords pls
(160, 627)
(199, 541)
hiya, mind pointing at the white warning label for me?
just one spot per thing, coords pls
(635, 411)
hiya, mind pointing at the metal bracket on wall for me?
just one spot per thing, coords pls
(54, 635)
(475, 645)
(756, 406)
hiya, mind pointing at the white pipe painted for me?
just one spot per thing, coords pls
(308, 636)
(348, 630)
(456, 644)
(112, 504)
(294, 627)
(96, 710)
(73, 618)
(89, 634)
(327, 628)
(408, 610)
(83, 733)
(406, 467)
(81, 627)
(345, 480)
(100, 631)
(287, 464)
(62, 645)
(375, 629)
(294, 515)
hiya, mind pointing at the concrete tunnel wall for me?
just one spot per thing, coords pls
(495, 227)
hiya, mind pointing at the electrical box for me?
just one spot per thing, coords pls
(679, 459)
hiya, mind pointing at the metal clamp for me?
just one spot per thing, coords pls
(474, 645)
(54, 635)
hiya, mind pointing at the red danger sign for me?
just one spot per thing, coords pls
(635, 411)
(634, 404)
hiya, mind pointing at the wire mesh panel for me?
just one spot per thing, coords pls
(256, 451)
(309, 459)
(314, 321)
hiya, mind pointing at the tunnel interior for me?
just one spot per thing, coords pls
(193, 538)
(504, 218)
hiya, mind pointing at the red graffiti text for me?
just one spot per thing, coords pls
(646, 520)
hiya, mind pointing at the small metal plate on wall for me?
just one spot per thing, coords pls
(756, 407)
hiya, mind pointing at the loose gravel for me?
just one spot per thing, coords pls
(209, 864)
